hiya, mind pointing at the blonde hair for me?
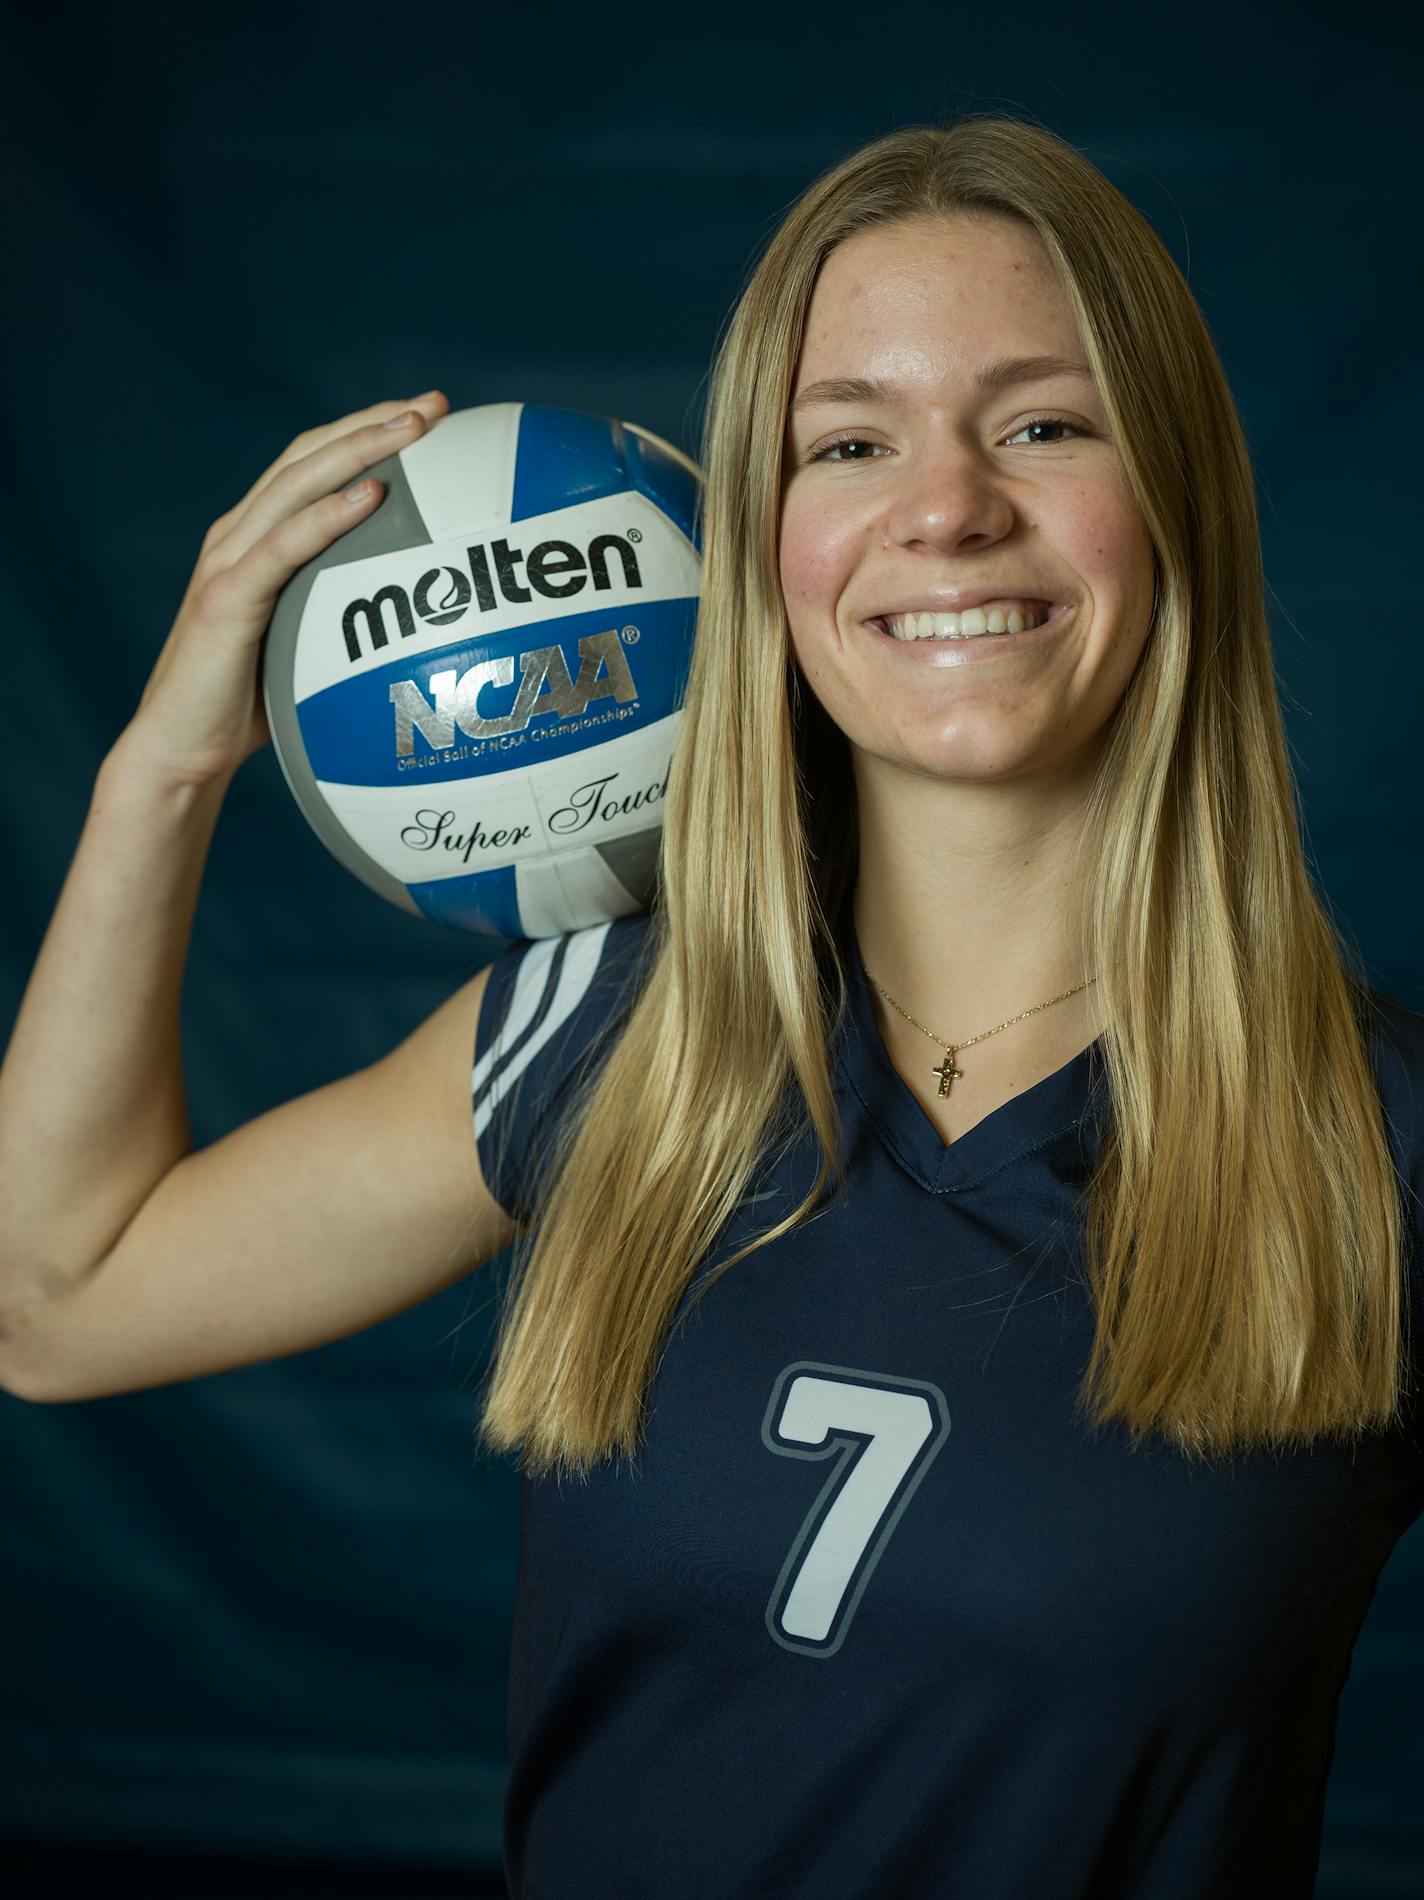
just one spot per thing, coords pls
(1242, 1226)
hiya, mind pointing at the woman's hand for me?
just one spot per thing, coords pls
(201, 714)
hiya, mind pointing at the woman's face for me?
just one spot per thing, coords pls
(947, 488)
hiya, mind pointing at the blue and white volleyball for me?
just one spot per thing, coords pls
(475, 692)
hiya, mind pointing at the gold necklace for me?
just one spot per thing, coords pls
(947, 1072)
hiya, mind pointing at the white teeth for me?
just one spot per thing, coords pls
(998, 617)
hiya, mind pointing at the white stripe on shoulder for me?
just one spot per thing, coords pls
(582, 955)
(529, 982)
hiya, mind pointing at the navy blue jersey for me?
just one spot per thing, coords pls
(876, 1613)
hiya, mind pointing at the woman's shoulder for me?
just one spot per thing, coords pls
(547, 1016)
(1395, 1033)
(541, 985)
(1395, 1026)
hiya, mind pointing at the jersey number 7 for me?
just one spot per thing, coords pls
(883, 1434)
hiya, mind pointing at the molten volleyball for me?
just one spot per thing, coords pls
(475, 692)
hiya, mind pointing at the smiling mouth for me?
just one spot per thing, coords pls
(937, 633)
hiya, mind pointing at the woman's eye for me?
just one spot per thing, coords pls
(845, 442)
(1048, 422)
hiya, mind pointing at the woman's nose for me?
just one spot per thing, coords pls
(946, 497)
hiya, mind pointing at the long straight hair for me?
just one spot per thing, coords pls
(1242, 1224)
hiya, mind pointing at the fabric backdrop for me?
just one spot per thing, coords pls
(266, 1611)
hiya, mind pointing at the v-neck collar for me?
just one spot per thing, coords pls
(1072, 1096)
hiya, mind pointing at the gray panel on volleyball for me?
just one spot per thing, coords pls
(633, 860)
(395, 524)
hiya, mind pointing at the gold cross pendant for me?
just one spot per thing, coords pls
(947, 1073)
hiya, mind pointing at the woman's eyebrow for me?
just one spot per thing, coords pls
(1004, 374)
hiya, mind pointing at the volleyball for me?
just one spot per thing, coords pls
(474, 693)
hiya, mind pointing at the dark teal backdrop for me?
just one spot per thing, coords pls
(266, 1612)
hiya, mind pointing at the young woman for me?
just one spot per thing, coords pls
(959, 1336)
